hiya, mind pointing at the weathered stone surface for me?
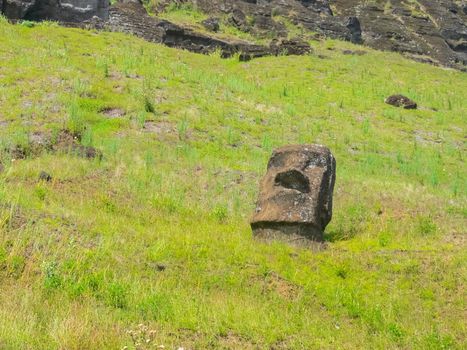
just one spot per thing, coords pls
(57, 10)
(425, 30)
(420, 29)
(131, 17)
(44, 176)
(401, 101)
(212, 24)
(295, 199)
(265, 17)
(294, 46)
(238, 19)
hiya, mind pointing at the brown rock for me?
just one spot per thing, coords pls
(295, 46)
(295, 199)
(44, 176)
(212, 24)
(401, 101)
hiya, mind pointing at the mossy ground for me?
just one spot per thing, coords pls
(153, 241)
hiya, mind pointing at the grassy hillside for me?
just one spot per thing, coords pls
(151, 243)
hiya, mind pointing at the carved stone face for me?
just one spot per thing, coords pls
(295, 196)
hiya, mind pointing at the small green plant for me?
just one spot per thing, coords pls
(52, 278)
(149, 106)
(105, 69)
(16, 265)
(87, 137)
(266, 143)
(342, 271)
(80, 87)
(182, 129)
(76, 123)
(384, 238)
(28, 24)
(116, 295)
(426, 226)
(366, 126)
(41, 191)
(220, 212)
(157, 306)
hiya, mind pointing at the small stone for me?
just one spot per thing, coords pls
(44, 176)
(161, 267)
(355, 53)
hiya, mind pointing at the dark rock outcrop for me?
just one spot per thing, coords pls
(265, 17)
(131, 17)
(56, 10)
(212, 24)
(238, 19)
(295, 199)
(425, 30)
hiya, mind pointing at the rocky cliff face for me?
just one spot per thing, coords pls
(427, 30)
(56, 10)
(262, 17)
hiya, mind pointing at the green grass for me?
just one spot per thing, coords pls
(153, 241)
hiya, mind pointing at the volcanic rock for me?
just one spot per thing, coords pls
(238, 20)
(295, 199)
(55, 10)
(44, 176)
(401, 101)
(422, 30)
(294, 46)
(131, 17)
(212, 24)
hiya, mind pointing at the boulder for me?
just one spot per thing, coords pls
(295, 199)
(212, 24)
(401, 101)
(238, 19)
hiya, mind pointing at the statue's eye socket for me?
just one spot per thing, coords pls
(293, 179)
